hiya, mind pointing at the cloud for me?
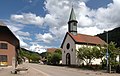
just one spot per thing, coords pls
(13, 26)
(58, 32)
(28, 18)
(38, 48)
(90, 30)
(22, 43)
(21, 33)
(108, 17)
(47, 37)
(16, 29)
(26, 38)
(90, 21)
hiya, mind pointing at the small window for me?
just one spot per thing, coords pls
(72, 49)
(74, 24)
(3, 58)
(68, 46)
(3, 46)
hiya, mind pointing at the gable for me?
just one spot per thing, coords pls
(65, 38)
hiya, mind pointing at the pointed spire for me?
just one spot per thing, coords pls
(72, 15)
(72, 23)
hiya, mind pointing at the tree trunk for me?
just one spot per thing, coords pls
(89, 61)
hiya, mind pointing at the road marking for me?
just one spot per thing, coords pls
(41, 72)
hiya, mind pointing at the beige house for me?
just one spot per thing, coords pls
(73, 40)
(9, 46)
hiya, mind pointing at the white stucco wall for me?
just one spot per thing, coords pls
(65, 51)
(73, 54)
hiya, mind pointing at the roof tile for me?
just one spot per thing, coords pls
(82, 38)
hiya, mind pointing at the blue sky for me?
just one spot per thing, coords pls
(43, 23)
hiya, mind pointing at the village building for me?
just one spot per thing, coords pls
(73, 40)
(9, 46)
(52, 50)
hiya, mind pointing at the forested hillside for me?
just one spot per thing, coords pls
(32, 56)
(113, 35)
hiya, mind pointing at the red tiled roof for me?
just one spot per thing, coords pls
(82, 38)
(51, 50)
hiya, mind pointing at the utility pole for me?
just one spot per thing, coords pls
(107, 54)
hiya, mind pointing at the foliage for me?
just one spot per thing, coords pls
(33, 56)
(58, 51)
(49, 57)
(100, 52)
(113, 53)
(54, 58)
(87, 54)
(43, 55)
(90, 53)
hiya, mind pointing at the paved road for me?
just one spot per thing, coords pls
(45, 70)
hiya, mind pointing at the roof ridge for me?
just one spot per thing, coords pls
(83, 38)
(86, 35)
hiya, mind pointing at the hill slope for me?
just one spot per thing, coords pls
(113, 35)
(33, 56)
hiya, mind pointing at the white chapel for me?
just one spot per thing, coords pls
(73, 40)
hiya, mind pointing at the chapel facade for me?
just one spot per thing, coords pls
(74, 40)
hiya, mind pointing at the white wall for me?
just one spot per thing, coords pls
(73, 54)
(65, 50)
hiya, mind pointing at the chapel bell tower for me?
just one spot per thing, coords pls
(72, 23)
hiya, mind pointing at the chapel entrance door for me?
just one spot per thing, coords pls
(68, 61)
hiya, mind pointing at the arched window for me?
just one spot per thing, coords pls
(68, 46)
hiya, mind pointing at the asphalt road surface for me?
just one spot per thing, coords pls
(46, 70)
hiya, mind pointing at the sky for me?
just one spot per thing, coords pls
(42, 24)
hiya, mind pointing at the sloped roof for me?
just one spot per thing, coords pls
(85, 39)
(51, 50)
(82, 38)
(6, 32)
